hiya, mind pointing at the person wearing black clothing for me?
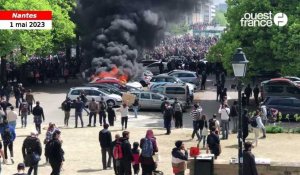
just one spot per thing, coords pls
(84, 100)
(163, 105)
(213, 143)
(168, 115)
(177, 114)
(223, 79)
(4, 104)
(111, 115)
(102, 113)
(17, 93)
(55, 153)
(179, 158)
(105, 143)
(219, 91)
(161, 67)
(32, 145)
(245, 124)
(203, 80)
(256, 93)
(39, 116)
(234, 115)
(113, 144)
(248, 93)
(125, 163)
(66, 107)
(202, 126)
(249, 165)
(79, 105)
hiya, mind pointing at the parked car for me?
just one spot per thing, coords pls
(151, 100)
(186, 76)
(106, 87)
(285, 105)
(154, 67)
(159, 79)
(96, 93)
(280, 87)
(292, 78)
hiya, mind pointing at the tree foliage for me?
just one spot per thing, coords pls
(40, 42)
(220, 18)
(267, 48)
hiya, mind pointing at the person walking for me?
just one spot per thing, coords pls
(195, 115)
(177, 114)
(149, 148)
(124, 115)
(39, 116)
(203, 80)
(248, 93)
(257, 125)
(136, 158)
(203, 128)
(102, 109)
(179, 158)
(55, 153)
(49, 135)
(94, 108)
(84, 100)
(245, 124)
(168, 115)
(256, 93)
(4, 104)
(23, 112)
(224, 111)
(105, 140)
(111, 115)
(12, 117)
(32, 150)
(17, 94)
(125, 162)
(249, 165)
(135, 107)
(66, 107)
(116, 160)
(213, 143)
(223, 79)
(8, 136)
(79, 105)
(30, 100)
(214, 122)
(234, 115)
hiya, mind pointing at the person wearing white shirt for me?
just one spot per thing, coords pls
(224, 111)
(12, 117)
(124, 115)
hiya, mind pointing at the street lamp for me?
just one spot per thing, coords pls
(239, 65)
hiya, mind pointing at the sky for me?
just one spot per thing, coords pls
(218, 1)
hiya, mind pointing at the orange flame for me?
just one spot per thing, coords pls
(113, 73)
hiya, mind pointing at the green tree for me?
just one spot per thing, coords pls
(263, 46)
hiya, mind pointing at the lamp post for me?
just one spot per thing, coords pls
(239, 65)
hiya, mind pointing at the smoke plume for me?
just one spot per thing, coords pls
(114, 31)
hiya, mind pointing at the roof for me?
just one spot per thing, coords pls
(85, 87)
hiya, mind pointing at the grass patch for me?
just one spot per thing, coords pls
(274, 129)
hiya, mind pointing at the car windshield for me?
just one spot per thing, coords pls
(105, 91)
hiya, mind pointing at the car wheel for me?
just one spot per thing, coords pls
(111, 103)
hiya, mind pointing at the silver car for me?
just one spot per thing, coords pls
(186, 76)
(151, 100)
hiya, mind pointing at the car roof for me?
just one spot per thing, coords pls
(164, 75)
(84, 87)
(181, 71)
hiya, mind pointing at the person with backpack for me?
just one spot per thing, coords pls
(66, 107)
(32, 150)
(23, 112)
(136, 158)
(127, 157)
(55, 153)
(149, 148)
(38, 116)
(214, 122)
(195, 114)
(168, 116)
(79, 105)
(12, 117)
(102, 113)
(179, 158)
(234, 115)
(105, 143)
(8, 136)
(213, 143)
(177, 114)
(245, 124)
(30, 100)
(257, 125)
(224, 111)
(94, 108)
(111, 115)
(116, 151)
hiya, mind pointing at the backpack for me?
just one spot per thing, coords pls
(147, 148)
(253, 122)
(177, 107)
(117, 151)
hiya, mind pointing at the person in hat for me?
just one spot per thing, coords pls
(105, 140)
(39, 116)
(179, 158)
(32, 145)
(21, 169)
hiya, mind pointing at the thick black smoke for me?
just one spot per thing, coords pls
(113, 31)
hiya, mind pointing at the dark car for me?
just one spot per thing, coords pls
(285, 105)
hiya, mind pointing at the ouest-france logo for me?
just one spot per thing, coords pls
(263, 19)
